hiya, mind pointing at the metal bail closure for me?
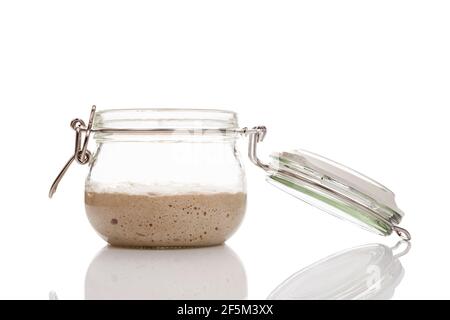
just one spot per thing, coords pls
(331, 187)
(81, 154)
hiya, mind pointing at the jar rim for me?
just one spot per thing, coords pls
(139, 118)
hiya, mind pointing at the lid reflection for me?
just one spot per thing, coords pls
(369, 272)
(202, 273)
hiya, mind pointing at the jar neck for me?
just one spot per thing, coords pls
(177, 136)
(165, 125)
(165, 118)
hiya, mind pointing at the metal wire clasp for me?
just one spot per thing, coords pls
(81, 154)
(255, 135)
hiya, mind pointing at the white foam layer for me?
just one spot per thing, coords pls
(158, 189)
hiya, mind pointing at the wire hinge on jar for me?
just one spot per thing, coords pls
(81, 154)
(255, 135)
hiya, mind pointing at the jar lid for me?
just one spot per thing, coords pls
(337, 190)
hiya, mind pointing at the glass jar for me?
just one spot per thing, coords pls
(177, 188)
(173, 178)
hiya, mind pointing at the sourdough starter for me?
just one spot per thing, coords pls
(151, 220)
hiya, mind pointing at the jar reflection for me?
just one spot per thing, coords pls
(369, 272)
(201, 273)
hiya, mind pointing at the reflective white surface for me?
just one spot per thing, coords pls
(367, 272)
(371, 271)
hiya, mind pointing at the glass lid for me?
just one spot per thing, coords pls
(335, 189)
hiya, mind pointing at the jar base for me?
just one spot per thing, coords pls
(165, 247)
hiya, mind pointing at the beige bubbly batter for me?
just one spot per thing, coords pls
(150, 220)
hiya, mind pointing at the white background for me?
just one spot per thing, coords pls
(363, 82)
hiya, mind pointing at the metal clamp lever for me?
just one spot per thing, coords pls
(255, 135)
(81, 154)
